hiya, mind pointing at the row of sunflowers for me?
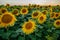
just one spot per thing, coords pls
(33, 22)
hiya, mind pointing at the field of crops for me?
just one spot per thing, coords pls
(32, 22)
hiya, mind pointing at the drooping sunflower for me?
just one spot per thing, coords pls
(7, 19)
(42, 18)
(24, 10)
(3, 10)
(15, 12)
(57, 15)
(28, 27)
(57, 23)
(35, 14)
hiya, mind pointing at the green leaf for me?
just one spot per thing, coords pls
(19, 30)
(21, 38)
(14, 35)
(33, 37)
(6, 35)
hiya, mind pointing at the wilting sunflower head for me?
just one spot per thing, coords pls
(3, 10)
(56, 15)
(42, 18)
(15, 12)
(57, 23)
(24, 10)
(28, 27)
(35, 14)
(7, 19)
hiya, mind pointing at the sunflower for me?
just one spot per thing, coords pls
(28, 27)
(42, 18)
(52, 15)
(51, 10)
(29, 5)
(35, 14)
(38, 6)
(44, 12)
(7, 19)
(57, 23)
(15, 12)
(34, 5)
(3, 10)
(24, 10)
(7, 5)
(57, 15)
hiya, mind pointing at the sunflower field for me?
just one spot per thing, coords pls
(32, 22)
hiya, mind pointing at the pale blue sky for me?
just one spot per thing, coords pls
(26, 2)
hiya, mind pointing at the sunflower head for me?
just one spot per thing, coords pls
(57, 23)
(24, 11)
(52, 15)
(29, 5)
(42, 18)
(59, 14)
(49, 6)
(15, 12)
(44, 12)
(56, 15)
(34, 5)
(7, 19)
(51, 10)
(38, 6)
(7, 4)
(3, 10)
(35, 14)
(28, 27)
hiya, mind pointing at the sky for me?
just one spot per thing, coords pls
(26, 2)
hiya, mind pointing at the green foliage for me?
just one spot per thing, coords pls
(44, 31)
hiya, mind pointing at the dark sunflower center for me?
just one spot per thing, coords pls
(0, 22)
(56, 15)
(3, 10)
(15, 11)
(41, 18)
(58, 23)
(34, 6)
(6, 18)
(24, 10)
(37, 5)
(35, 14)
(28, 25)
